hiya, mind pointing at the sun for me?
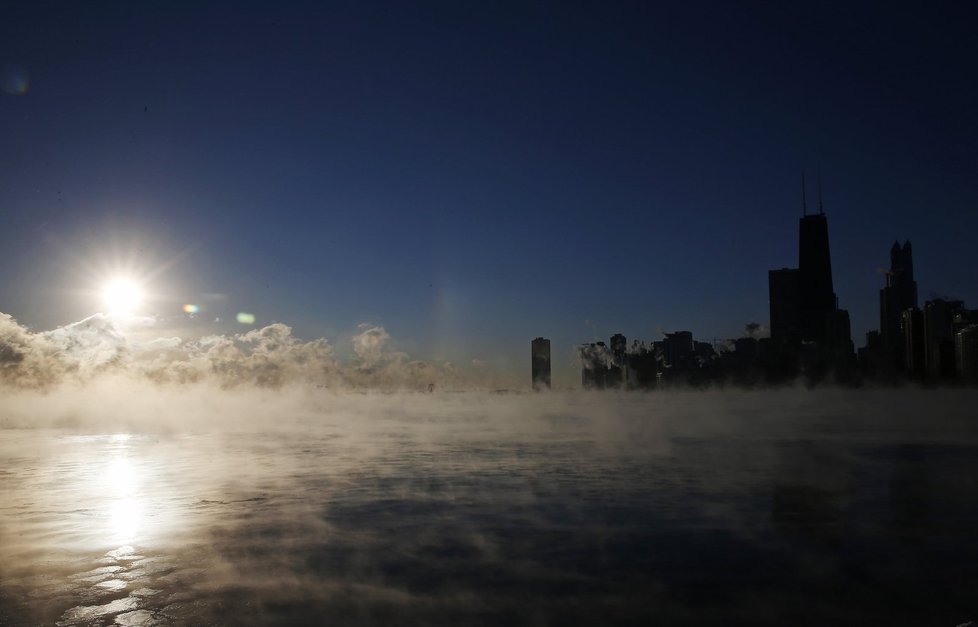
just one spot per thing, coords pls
(121, 296)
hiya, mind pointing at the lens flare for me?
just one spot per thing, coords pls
(246, 318)
(15, 80)
(191, 309)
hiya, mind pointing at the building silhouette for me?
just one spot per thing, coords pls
(899, 295)
(676, 359)
(912, 329)
(939, 338)
(785, 307)
(678, 348)
(595, 365)
(540, 363)
(810, 336)
(808, 330)
(966, 353)
(815, 293)
(913, 343)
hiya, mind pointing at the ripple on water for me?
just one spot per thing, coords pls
(139, 618)
(98, 574)
(86, 613)
(113, 585)
(144, 592)
(125, 552)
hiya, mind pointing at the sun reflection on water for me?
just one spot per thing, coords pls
(125, 507)
(114, 490)
(118, 483)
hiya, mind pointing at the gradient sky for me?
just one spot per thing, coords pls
(472, 175)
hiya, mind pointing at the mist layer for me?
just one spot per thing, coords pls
(304, 506)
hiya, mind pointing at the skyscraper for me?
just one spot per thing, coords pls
(899, 295)
(803, 305)
(966, 353)
(540, 363)
(912, 329)
(939, 337)
(816, 296)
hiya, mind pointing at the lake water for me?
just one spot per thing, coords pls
(718, 508)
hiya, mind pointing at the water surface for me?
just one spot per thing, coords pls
(692, 509)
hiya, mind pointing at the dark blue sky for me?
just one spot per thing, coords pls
(471, 175)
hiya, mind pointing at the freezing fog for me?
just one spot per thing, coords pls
(217, 482)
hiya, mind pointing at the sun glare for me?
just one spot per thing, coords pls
(121, 296)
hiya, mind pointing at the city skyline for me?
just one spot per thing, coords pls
(809, 338)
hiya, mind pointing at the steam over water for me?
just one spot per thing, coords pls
(306, 507)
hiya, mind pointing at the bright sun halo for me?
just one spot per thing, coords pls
(121, 296)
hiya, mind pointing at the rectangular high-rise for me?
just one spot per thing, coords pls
(808, 330)
(912, 330)
(802, 300)
(939, 337)
(966, 353)
(785, 307)
(815, 292)
(899, 295)
(540, 363)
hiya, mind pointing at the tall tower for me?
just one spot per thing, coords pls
(815, 293)
(899, 295)
(939, 337)
(540, 363)
(912, 326)
(803, 304)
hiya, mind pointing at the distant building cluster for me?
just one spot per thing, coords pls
(936, 344)
(644, 365)
(810, 335)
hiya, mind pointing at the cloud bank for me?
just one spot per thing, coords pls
(269, 357)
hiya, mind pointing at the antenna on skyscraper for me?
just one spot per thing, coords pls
(819, 174)
(804, 206)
